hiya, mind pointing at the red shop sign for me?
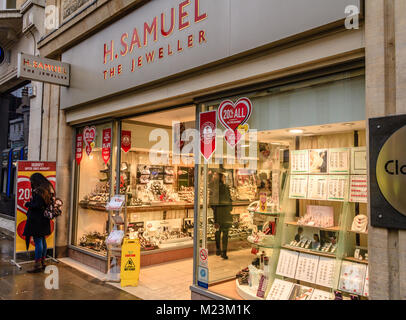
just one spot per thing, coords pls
(208, 125)
(79, 148)
(106, 146)
(233, 116)
(125, 140)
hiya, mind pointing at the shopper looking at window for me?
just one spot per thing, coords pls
(37, 225)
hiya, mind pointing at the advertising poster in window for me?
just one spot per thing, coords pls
(318, 160)
(339, 161)
(317, 187)
(300, 161)
(25, 169)
(359, 189)
(298, 186)
(338, 188)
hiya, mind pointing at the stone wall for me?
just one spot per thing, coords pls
(386, 95)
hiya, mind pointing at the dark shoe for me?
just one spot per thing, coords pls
(43, 264)
(224, 256)
(218, 252)
(37, 268)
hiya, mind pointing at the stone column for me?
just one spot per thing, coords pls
(57, 146)
(385, 36)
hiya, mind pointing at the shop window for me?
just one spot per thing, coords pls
(281, 211)
(93, 186)
(157, 177)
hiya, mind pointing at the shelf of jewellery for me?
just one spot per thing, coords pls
(337, 242)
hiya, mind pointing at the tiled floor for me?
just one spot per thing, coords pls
(171, 280)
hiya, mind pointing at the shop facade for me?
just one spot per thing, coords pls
(306, 85)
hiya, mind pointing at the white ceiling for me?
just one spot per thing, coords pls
(165, 118)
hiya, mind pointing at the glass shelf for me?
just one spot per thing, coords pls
(262, 245)
(315, 252)
(359, 232)
(268, 213)
(294, 223)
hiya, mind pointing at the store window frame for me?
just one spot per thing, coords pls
(74, 201)
(305, 80)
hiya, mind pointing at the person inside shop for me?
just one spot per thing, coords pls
(298, 236)
(221, 204)
(38, 226)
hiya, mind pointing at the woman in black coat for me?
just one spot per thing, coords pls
(37, 225)
(222, 207)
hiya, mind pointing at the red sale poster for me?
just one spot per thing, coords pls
(234, 117)
(125, 140)
(106, 146)
(208, 127)
(79, 148)
(25, 169)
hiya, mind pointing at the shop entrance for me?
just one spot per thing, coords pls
(152, 166)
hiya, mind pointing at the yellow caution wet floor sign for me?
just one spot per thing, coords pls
(130, 262)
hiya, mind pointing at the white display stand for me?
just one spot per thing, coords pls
(246, 292)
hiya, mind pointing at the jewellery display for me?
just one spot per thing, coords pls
(359, 188)
(95, 241)
(337, 188)
(325, 272)
(339, 161)
(298, 187)
(317, 187)
(299, 161)
(307, 267)
(242, 276)
(352, 277)
(330, 187)
(301, 292)
(360, 223)
(321, 295)
(366, 284)
(287, 263)
(280, 290)
(318, 216)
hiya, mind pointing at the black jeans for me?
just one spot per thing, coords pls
(222, 231)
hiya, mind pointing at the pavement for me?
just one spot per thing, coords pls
(17, 284)
(7, 225)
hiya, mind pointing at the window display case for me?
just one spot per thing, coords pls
(304, 235)
(94, 177)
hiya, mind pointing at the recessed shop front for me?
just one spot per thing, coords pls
(143, 159)
(284, 211)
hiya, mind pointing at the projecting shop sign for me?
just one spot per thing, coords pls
(43, 69)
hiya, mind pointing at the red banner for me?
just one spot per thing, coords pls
(106, 146)
(79, 148)
(208, 125)
(89, 133)
(125, 140)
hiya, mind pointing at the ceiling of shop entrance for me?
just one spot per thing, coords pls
(283, 135)
(165, 118)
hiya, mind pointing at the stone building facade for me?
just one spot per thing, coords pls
(378, 43)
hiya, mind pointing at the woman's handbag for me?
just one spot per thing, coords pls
(54, 209)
